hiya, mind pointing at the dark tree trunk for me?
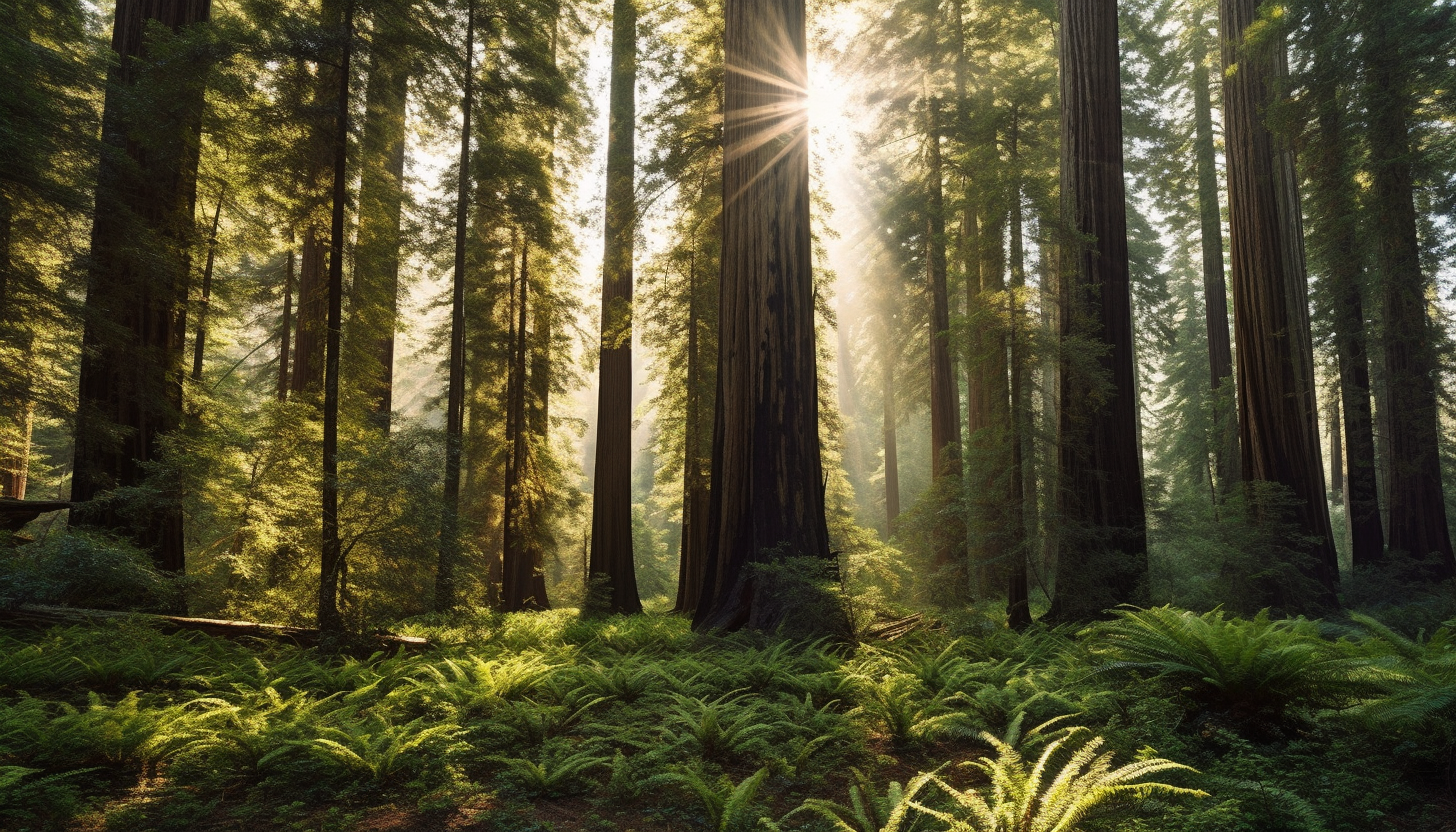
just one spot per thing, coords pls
(130, 391)
(1337, 453)
(988, 395)
(381, 203)
(694, 544)
(767, 478)
(611, 544)
(455, 408)
(1336, 234)
(307, 374)
(1279, 439)
(892, 462)
(1103, 553)
(1022, 479)
(331, 563)
(286, 331)
(1215, 288)
(1418, 524)
(523, 581)
(945, 415)
(199, 342)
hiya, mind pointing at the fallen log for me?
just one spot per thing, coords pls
(900, 627)
(45, 616)
(14, 514)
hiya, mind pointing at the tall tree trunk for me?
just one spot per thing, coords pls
(767, 478)
(1279, 441)
(693, 558)
(1215, 288)
(989, 399)
(892, 462)
(1104, 558)
(1337, 453)
(15, 454)
(1418, 524)
(307, 374)
(611, 544)
(331, 563)
(945, 417)
(130, 389)
(523, 581)
(381, 204)
(1022, 479)
(449, 553)
(1334, 214)
(286, 330)
(199, 342)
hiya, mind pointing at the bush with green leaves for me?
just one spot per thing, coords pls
(85, 569)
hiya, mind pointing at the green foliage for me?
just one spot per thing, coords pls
(868, 811)
(551, 776)
(728, 806)
(85, 570)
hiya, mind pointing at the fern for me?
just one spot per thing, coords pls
(908, 713)
(1026, 797)
(870, 812)
(380, 749)
(551, 776)
(719, 727)
(729, 807)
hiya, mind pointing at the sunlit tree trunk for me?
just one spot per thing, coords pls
(892, 461)
(331, 563)
(1022, 479)
(1279, 441)
(1418, 524)
(611, 543)
(1103, 552)
(307, 373)
(767, 479)
(696, 446)
(523, 580)
(130, 386)
(449, 552)
(199, 341)
(945, 418)
(285, 333)
(375, 294)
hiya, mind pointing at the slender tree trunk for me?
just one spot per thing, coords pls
(1337, 453)
(287, 329)
(1215, 288)
(1104, 558)
(990, 400)
(381, 204)
(449, 553)
(331, 564)
(767, 479)
(523, 582)
(1279, 442)
(1418, 523)
(199, 343)
(892, 462)
(307, 374)
(611, 544)
(15, 456)
(130, 386)
(1022, 479)
(695, 483)
(1334, 212)
(945, 417)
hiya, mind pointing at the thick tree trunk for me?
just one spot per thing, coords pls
(945, 416)
(611, 544)
(130, 390)
(767, 480)
(381, 202)
(286, 330)
(199, 342)
(449, 551)
(331, 562)
(1215, 287)
(1279, 441)
(1104, 539)
(989, 400)
(1336, 234)
(1418, 524)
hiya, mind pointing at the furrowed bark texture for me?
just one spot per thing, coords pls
(1103, 553)
(1278, 436)
(286, 330)
(611, 545)
(199, 341)
(307, 374)
(767, 479)
(945, 410)
(697, 448)
(523, 578)
(1418, 523)
(130, 390)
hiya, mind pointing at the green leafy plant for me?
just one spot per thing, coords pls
(551, 775)
(729, 806)
(869, 811)
(910, 715)
(719, 727)
(380, 749)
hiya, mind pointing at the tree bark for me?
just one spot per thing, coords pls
(286, 330)
(1215, 287)
(1335, 217)
(1103, 556)
(694, 551)
(945, 417)
(523, 581)
(1418, 523)
(130, 387)
(307, 373)
(331, 563)
(1022, 479)
(1278, 437)
(611, 544)
(892, 462)
(381, 204)
(199, 342)
(767, 478)
(449, 552)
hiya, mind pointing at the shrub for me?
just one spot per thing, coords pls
(85, 569)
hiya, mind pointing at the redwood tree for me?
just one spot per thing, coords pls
(767, 495)
(1278, 435)
(130, 391)
(611, 542)
(1104, 545)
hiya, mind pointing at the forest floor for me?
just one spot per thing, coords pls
(548, 721)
